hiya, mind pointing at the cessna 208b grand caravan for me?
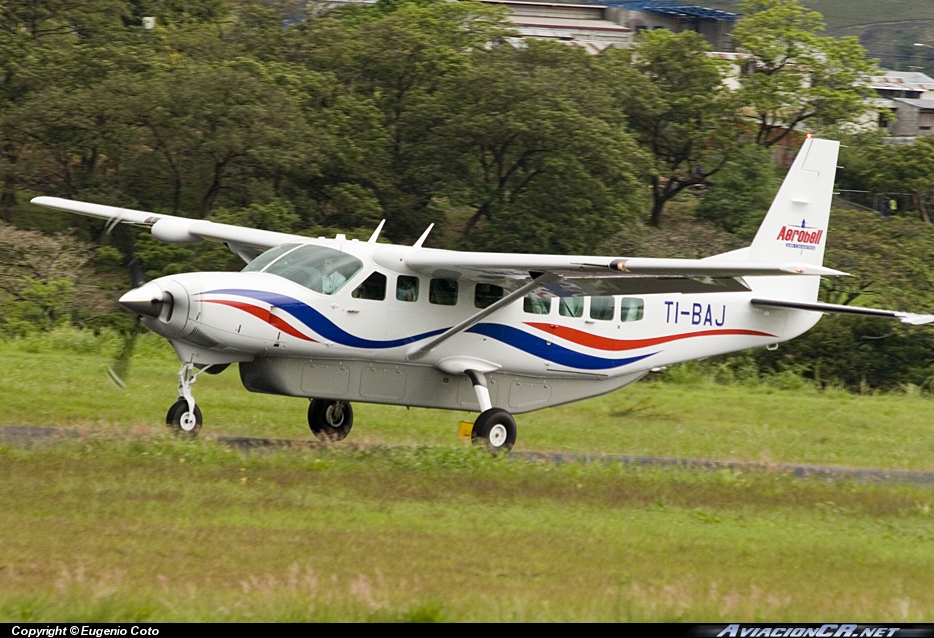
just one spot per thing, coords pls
(339, 321)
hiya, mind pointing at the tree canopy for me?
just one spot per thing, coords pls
(322, 120)
(799, 76)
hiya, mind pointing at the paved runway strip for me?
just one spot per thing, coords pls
(30, 434)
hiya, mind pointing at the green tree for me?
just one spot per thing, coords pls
(529, 143)
(396, 57)
(740, 195)
(214, 130)
(39, 277)
(888, 168)
(680, 110)
(799, 76)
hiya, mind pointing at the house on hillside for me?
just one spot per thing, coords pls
(910, 96)
(600, 25)
(583, 25)
(612, 23)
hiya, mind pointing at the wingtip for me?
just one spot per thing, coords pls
(810, 269)
(913, 319)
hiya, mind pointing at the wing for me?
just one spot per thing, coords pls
(245, 242)
(591, 275)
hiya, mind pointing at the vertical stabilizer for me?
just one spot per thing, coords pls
(795, 228)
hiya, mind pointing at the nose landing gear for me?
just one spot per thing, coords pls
(184, 417)
(182, 420)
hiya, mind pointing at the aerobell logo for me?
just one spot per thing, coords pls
(803, 237)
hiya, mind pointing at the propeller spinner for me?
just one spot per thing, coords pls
(147, 301)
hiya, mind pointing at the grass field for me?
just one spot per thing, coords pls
(165, 530)
(694, 418)
(130, 523)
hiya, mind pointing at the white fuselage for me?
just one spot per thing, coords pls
(293, 340)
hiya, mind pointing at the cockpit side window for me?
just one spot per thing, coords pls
(407, 288)
(321, 269)
(373, 287)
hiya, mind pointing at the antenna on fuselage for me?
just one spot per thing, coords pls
(421, 240)
(372, 239)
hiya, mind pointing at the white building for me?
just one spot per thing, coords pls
(910, 96)
(583, 25)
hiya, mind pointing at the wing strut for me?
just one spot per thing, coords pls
(422, 349)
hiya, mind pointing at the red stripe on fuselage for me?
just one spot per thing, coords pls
(605, 343)
(263, 314)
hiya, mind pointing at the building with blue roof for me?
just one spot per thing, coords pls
(713, 25)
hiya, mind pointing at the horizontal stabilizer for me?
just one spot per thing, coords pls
(904, 317)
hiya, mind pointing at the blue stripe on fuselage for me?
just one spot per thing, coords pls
(318, 322)
(549, 351)
(509, 335)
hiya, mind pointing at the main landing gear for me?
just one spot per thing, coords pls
(330, 420)
(494, 428)
(184, 417)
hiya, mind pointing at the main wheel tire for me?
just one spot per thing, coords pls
(330, 420)
(181, 421)
(496, 430)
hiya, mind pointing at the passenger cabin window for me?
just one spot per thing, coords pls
(601, 308)
(443, 292)
(535, 305)
(631, 309)
(407, 288)
(373, 287)
(571, 306)
(321, 269)
(485, 295)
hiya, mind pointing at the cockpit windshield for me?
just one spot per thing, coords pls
(321, 269)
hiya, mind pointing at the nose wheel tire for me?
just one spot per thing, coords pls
(183, 421)
(330, 420)
(496, 430)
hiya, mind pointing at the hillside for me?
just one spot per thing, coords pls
(888, 29)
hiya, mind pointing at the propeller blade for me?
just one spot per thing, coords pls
(141, 301)
(119, 369)
(136, 272)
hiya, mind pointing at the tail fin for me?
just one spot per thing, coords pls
(795, 228)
